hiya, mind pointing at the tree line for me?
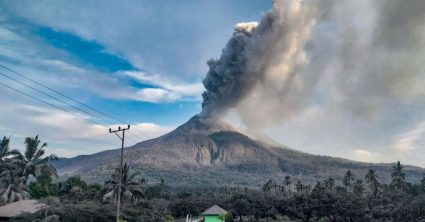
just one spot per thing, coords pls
(17, 167)
(354, 198)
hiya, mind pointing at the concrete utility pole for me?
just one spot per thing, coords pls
(120, 168)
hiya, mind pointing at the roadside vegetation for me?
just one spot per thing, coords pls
(354, 198)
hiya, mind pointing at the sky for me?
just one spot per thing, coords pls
(143, 63)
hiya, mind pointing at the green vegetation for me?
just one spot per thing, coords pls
(220, 159)
(4, 148)
(74, 183)
(42, 187)
(131, 187)
(16, 168)
(352, 197)
(326, 200)
(32, 163)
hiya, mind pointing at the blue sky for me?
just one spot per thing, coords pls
(143, 62)
(159, 39)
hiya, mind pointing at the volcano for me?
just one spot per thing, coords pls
(209, 152)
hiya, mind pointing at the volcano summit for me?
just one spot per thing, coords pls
(262, 69)
(203, 152)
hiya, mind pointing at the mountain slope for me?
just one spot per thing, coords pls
(205, 152)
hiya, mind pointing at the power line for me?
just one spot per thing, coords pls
(59, 93)
(53, 90)
(45, 102)
(57, 99)
(53, 105)
(121, 160)
(50, 96)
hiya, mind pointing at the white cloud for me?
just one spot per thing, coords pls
(64, 152)
(180, 90)
(363, 155)
(150, 35)
(406, 147)
(62, 65)
(53, 67)
(371, 86)
(410, 140)
(168, 91)
(155, 95)
(68, 135)
(8, 35)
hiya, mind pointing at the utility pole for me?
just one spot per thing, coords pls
(120, 168)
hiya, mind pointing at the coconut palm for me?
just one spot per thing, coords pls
(423, 185)
(398, 177)
(131, 187)
(358, 187)
(329, 184)
(11, 189)
(32, 162)
(348, 179)
(5, 164)
(372, 180)
(4, 148)
(299, 187)
(287, 182)
(269, 186)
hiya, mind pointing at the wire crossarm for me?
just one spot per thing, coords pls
(120, 167)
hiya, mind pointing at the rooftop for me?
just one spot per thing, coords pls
(214, 210)
(23, 206)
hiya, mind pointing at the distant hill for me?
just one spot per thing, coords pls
(203, 152)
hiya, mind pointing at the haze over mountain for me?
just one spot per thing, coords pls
(205, 152)
(265, 76)
(354, 87)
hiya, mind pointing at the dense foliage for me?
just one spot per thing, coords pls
(357, 198)
(16, 168)
(351, 198)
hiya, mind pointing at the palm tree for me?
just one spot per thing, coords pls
(161, 187)
(269, 186)
(32, 161)
(287, 181)
(423, 185)
(329, 184)
(299, 187)
(348, 178)
(5, 164)
(4, 148)
(398, 177)
(372, 180)
(11, 189)
(318, 188)
(132, 185)
(358, 187)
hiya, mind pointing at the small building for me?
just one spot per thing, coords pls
(213, 214)
(12, 210)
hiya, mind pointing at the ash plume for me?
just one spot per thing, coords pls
(267, 57)
(356, 60)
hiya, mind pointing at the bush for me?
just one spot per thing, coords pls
(43, 186)
(75, 182)
(38, 191)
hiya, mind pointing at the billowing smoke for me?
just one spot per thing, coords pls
(267, 58)
(351, 59)
(227, 81)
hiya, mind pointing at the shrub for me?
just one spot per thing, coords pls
(38, 191)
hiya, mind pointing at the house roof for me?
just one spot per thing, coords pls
(23, 206)
(214, 210)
